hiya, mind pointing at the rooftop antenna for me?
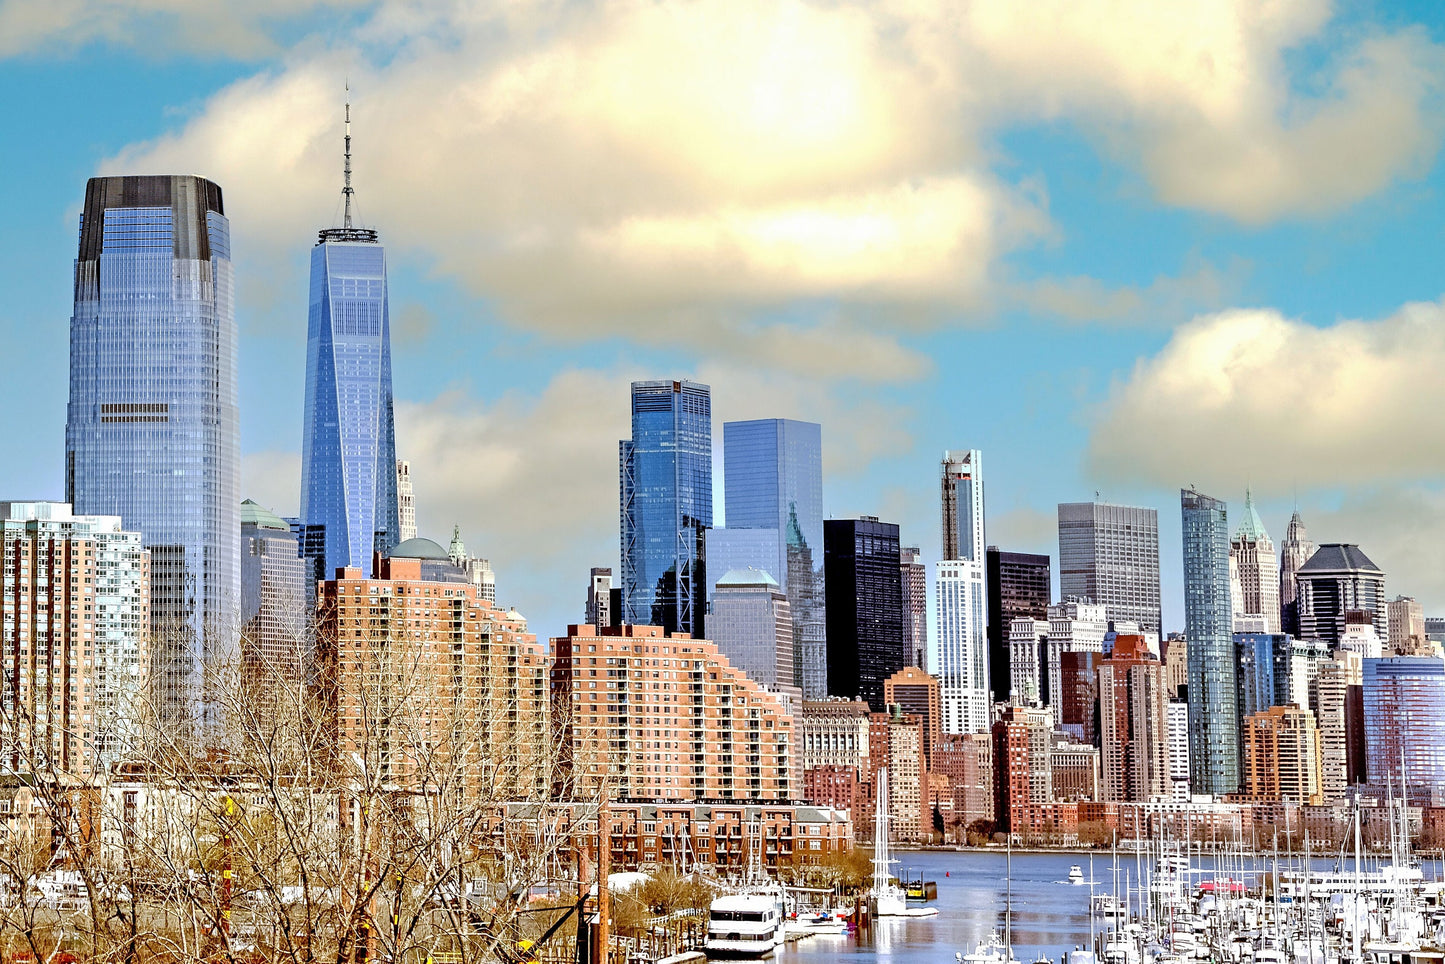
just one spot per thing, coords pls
(346, 189)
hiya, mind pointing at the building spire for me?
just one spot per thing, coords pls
(346, 187)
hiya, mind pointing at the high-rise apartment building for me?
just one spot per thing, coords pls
(276, 593)
(74, 624)
(405, 502)
(1406, 618)
(1176, 664)
(960, 588)
(1077, 712)
(429, 684)
(753, 627)
(773, 475)
(1023, 764)
(711, 735)
(666, 496)
(1404, 704)
(1336, 580)
(1336, 698)
(1018, 586)
(1109, 554)
(1213, 691)
(1282, 756)
(348, 431)
(152, 431)
(1294, 552)
(1254, 570)
(1178, 721)
(599, 598)
(916, 692)
(864, 586)
(915, 604)
(1133, 723)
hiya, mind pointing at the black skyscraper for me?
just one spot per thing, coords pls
(864, 602)
(1018, 588)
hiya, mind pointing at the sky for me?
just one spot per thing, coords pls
(1119, 246)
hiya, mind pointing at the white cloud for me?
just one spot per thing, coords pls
(653, 167)
(1401, 528)
(1252, 395)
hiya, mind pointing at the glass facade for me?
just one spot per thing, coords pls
(666, 505)
(963, 536)
(1404, 704)
(773, 470)
(152, 430)
(277, 592)
(348, 447)
(1110, 554)
(1019, 587)
(1208, 624)
(865, 639)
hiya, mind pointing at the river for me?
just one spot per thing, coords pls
(1050, 915)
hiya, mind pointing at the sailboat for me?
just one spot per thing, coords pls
(885, 897)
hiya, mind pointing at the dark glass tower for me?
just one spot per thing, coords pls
(348, 445)
(1208, 625)
(773, 468)
(666, 490)
(1019, 587)
(152, 431)
(866, 641)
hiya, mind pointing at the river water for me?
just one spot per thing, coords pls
(1050, 915)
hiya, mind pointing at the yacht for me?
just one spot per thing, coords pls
(1076, 874)
(744, 925)
(990, 950)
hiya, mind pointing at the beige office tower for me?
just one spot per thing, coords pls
(1407, 628)
(1330, 693)
(1294, 552)
(405, 502)
(75, 620)
(1253, 570)
(1282, 757)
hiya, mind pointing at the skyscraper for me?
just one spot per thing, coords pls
(348, 442)
(405, 502)
(1407, 627)
(151, 432)
(753, 628)
(599, 598)
(961, 591)
(666, 496)
(1294, 552)
(1213, 696)
(1110, 554)
(1336, 580)
(1254, 571)
(276, 588)
(864, 606)
(915, 604)
(1404, 703)
(1133, 722)
(1018, 587)
(773, 474)
(1281, 756)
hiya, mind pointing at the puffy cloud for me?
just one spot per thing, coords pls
(1252, 395)
(654, 167)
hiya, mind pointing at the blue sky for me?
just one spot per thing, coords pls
(1186, 243)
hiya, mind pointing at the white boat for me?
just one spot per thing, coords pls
(744, 925)
(885, 897)
(817, 924)
(1076, 874)
(990, 950)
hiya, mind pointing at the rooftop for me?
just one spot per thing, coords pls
(419, 549)
(1338, 557)
(747, 577)
(253, 513)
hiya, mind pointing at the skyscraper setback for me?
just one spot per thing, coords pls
(1110, 554)
(666, 496)
(348, 441)
(961, 592)
(152, 431)
(1213, 696)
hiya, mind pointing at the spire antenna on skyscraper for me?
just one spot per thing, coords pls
(346, 168)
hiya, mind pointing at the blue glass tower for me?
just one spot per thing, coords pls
(773, 469)
(152, 433)
(1208, 625)
(666, 496)
(348, 447)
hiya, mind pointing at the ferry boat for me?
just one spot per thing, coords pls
(744, 925)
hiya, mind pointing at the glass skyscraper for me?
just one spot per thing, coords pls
(151, 431)
(961, 588)
(666, 505)
(348, 446)
(865, 637)
(773, 470)
(1110, 554)
(1404, 709)
(1208, 625)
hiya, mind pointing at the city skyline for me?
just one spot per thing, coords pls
(1116, 257)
